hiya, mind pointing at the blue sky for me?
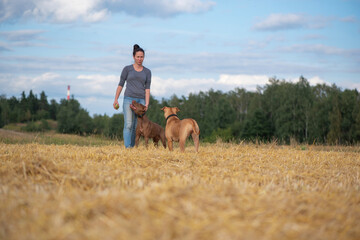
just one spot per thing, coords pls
(191, 45)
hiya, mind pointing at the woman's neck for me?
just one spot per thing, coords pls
(138, 67)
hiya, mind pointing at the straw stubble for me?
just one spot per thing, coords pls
(226, 191)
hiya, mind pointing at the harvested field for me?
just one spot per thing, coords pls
(226, 191)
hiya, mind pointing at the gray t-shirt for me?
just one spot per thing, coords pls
(136, 82)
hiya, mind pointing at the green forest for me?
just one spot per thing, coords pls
(280, 111)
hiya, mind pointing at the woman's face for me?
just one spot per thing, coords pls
(139, 57)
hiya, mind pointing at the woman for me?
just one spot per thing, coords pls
(138, 80)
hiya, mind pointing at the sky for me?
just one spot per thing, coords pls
(190, 45)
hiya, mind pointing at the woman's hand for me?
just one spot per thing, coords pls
(116, 105)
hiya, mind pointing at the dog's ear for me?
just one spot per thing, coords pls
(177, 109)
(163, 108)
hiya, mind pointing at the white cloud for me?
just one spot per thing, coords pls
(281, 22)
(94, 92)
(319, 49)
(161, 87)
(313, 80)
(351, 19)
(313, 37)
(12, 85)
(159, 8)
(96, 16)
(97, 84)
(276, 22)
(45, 78)
(190, 6)
(4, 47)
(167, 87)
(317, 80)
(243, 80)
(64, 11)
(21, 35)
(352, 85)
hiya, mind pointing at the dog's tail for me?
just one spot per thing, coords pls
(195, 126)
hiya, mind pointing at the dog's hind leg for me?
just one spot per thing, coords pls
(195, 138)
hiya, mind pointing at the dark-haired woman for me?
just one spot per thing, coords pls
(138, 80)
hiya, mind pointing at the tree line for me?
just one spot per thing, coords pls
(279, 111)
(69, 115)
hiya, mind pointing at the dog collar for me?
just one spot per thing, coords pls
(171, 115)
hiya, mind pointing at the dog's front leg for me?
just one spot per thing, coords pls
(137, 140)
(156, 142)
(170, 145)
(146, 141)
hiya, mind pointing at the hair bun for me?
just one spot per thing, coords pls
(137, 48)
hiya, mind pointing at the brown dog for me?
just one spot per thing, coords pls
(146, 128)
(179, 130)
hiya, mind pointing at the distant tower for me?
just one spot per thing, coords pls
(68, 93)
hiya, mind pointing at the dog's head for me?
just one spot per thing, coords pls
(138, 108)
(170, 110)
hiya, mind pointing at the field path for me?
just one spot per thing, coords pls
(6, 132)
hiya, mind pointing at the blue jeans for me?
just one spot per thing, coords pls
(130, 121)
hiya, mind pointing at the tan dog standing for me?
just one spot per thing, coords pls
(146, 128)
(179, 130)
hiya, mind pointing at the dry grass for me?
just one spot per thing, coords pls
(226, 191)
